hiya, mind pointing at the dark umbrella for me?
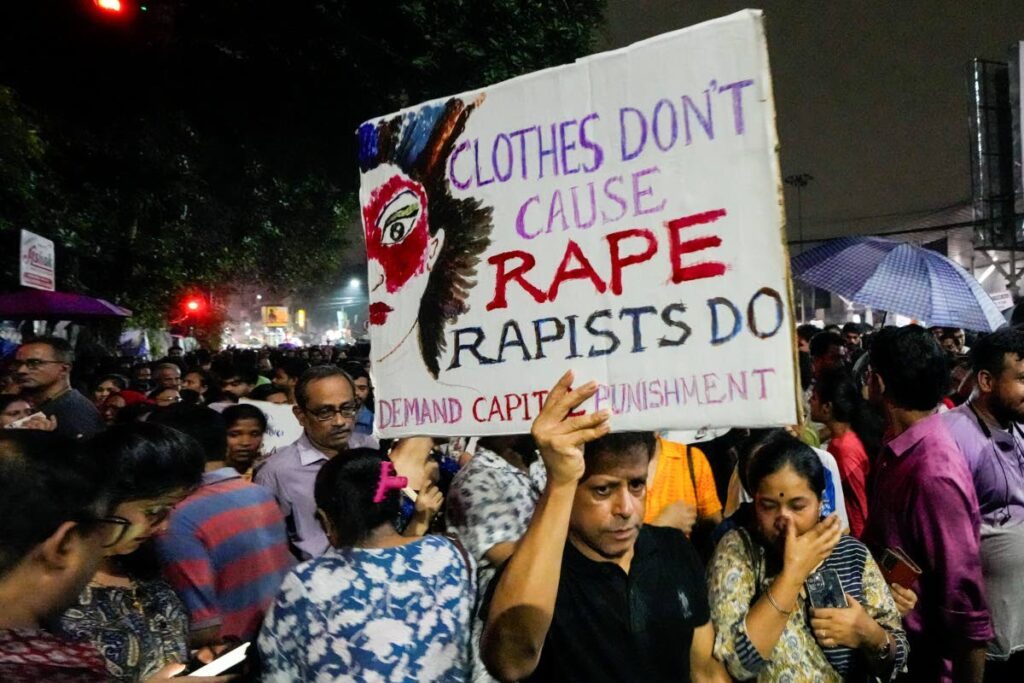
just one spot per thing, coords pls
(36, 304)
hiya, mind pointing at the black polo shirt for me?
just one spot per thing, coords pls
(610, 626)
(77, 417)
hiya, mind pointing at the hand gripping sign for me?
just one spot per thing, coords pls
(621, 216)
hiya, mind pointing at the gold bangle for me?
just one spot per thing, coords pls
(771, 601)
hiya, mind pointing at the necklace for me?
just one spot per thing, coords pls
(132, 589)
(53, 398)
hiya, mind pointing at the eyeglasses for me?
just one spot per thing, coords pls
(158, 513)
(33, 363)
(168, 400)
(116, 527)
(326, 413)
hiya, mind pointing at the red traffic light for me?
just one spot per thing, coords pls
(194, 305)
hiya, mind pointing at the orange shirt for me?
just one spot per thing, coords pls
(672, 482)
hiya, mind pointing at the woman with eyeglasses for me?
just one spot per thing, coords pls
(135, 620)
(165, 397)
(125, 407)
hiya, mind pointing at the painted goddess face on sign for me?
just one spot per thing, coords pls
(422, 244)
(400, 251)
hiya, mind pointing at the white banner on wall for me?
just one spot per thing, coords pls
(37, 262)
(621, 216)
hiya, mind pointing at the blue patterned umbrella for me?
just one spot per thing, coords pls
(900, 278)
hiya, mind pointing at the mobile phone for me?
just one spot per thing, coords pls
(897, 567)
(18, 424)
(229, 659)
(825, 590)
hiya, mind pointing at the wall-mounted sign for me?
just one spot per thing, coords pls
(37, 262)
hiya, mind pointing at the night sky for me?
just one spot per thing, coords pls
(871, 97)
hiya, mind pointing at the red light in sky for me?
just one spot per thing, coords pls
(108, 5)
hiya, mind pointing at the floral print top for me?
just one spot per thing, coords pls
(137, 631)
(373, 615)
(797, 655)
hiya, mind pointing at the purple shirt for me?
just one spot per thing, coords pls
(923, 501)
(290, 473)
(996, 463)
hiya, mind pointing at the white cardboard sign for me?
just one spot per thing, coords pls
(283, 428)
(621, 216)
(37, 262)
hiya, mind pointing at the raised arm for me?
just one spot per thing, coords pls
(523, 601)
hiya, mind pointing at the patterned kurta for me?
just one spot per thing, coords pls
(797, 655)
(34, 656)
(490, 502)
(373, 614)
(135, 643)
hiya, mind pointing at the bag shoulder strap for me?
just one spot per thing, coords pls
(693, 476)
(754, 555)
(462, 551)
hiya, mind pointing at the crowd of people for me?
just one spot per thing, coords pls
(147, 526)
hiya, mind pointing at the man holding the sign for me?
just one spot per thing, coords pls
(632, 594)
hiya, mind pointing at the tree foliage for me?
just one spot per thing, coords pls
(208, 142)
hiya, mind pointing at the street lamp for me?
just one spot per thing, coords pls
(354, 283)
(800, 181)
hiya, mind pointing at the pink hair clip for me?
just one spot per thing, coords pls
(388, 481)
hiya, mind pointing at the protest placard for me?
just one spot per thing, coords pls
(621, 216)
(283, 427)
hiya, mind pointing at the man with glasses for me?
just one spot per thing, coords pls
(326, 407)
(53, 529)
(42, 368)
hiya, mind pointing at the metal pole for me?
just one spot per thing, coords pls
(800, 227)
(800, 181)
